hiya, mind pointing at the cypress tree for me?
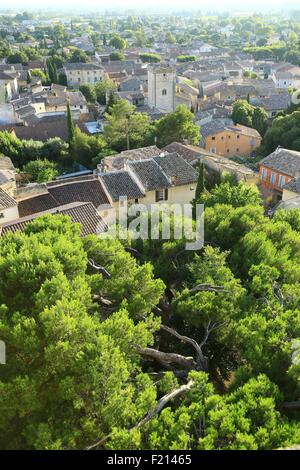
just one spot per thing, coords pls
(50, 70)
(201, 182)
(71, 128)
(55, 74)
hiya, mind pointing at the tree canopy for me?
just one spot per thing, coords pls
(177, 127)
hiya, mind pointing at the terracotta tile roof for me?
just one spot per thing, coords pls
(83, 191)
(6, 200)
(283, 160)
(177, 169)
(35, 204)
(83, 213)
(44, 129)
(116, 162)
(150, 174)
(121, 183)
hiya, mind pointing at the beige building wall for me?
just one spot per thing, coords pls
(79, 77)
(286, 195)
(6, 215)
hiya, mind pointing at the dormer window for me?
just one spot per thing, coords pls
(164, 92)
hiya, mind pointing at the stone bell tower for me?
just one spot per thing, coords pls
(161, 87)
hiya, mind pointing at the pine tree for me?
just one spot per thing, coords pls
(71, 128)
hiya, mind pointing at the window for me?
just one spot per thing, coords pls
(273, 177)
(213, 138)
(281, 181)
(161, 195)
(237, 136)
(237, 149)
(213, 149)
(136, 201)
(229, 137)
(264, 174)
(1, 215)
(164, 92)
(227, 150)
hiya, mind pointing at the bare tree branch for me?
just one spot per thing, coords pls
(152, 413)
(167, 358)
(133, 252)
(201, 359)
(164, 401)
(100, 269)
(208, 288)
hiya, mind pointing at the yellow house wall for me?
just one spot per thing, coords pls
(227, 143)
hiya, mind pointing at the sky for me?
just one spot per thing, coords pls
(153, 5)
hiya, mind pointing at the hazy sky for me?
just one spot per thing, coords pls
(154, 5)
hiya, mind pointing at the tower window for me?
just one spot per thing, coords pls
(164, 92)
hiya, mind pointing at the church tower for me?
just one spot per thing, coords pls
(161, 87)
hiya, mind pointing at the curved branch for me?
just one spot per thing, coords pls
(201, 359)
(164, 401)
(99, 269)
(152, 413)
(167, 358)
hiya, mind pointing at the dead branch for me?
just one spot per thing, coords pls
(187, 363)
(133, 252)
(102, 300)
(152, 413)
(164, 401)
(207, 288)
(99, 269)
(201, 359)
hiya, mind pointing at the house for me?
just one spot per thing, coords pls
(135, 98)
(283, 79)
(277, 170)
(163, 176)
(223, 138)
(215, 165)
(117, 162)
(44, 128)
(272, 104)
(49, 101)
(83, 74)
